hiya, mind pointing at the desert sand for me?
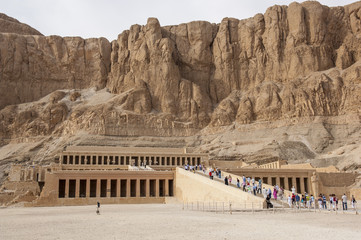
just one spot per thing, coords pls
(160, 221)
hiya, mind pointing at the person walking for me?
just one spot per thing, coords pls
(344, 202)
(275, 193)
(98, 208)
(320, 205)
(289, 200)
(238, 183)
(353, 202)
(226, 180)
(264, 192)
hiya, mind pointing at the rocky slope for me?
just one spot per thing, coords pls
(282, 84)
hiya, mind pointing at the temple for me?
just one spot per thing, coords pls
(83, 175)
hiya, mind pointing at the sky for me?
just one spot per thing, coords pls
(108, 18)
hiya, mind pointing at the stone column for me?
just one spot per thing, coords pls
(98, 188)
(118, 187)
(294, 183)
(128, 187)
(147, 188)
(157, 188)
(108, 188)
(302, 184)
(278, 181)
(77, 186)
(166, 188)
(66, 188)
(88, 188)
(137, 188)
(269, 181)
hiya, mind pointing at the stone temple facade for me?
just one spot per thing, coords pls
(83, 175)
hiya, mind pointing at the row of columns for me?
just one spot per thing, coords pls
(129, 160)
(286, 184)
(166, 190)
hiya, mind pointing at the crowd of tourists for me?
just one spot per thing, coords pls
(294, 199)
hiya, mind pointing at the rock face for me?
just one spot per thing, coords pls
(292, 63)
(11, 25)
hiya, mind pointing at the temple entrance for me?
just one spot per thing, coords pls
(93, 188)
(161, 188)
(113, 188)
(305, 181)
(170, 186)
(152, 188)
(133, 188)
(72, 183)
(290, 185)
(62, 183)
(142, 188)
(123, 188)
(82, 188)
(103, 188)
(298, 185)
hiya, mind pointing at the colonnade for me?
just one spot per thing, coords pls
(133, 160)
(286, 179)
(114, 187)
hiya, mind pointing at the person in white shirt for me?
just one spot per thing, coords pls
(289, 199)
(293, 189)
(344, 202)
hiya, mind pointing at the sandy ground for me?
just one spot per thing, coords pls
(171, 222)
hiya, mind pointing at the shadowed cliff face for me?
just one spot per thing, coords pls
(294, 61)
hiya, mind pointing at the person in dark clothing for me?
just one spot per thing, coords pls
(268, 201)
(98, 206)
(226, 180)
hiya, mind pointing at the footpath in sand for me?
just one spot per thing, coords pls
(168, 221)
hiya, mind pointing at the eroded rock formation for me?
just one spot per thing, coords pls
(292, 63)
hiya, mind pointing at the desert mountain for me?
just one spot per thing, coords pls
(283, 84)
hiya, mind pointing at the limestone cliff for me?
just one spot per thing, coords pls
(294, 65)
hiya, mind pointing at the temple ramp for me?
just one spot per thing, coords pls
(192, 187)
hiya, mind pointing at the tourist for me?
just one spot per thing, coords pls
(244, 186)
(255, 189)
(244, 180)
(275, 193)
(210, 174)
(238, 183)
(268, 201)
(353, 202)
(230, 179)
(264, 192)
(312, 199)
(331, 202)
(293, 199)
(289, 200)
(259, 190)
(219, 174)
(320, 201)
(336, 201)
(324, 201)
(344, 202)
(298, 201)
(226, 180)
(280, 193)
(269, 192)
(98, 207)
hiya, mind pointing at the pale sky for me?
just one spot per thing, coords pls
(108, 18)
